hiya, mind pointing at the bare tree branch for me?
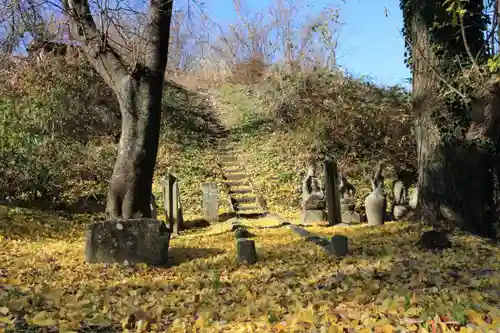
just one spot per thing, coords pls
(105, 59)
(160, 14)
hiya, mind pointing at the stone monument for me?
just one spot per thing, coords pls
(313, 197)
(375, 202)
(127, 242)
(210, 202)
(347, 201)
(400, 195)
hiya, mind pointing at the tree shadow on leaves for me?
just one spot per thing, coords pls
(179, 255)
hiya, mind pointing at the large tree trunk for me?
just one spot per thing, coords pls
(139, 92)
(130, 186)
(455, 174)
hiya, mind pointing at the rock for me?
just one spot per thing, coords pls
(243, 233)
(399, 211)
(339, 245)
(310, 216)
(434, 240)
(375, 205)
(245, 249)
(133, 241)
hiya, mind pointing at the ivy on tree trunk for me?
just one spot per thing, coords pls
(139, 91)
(456, 164)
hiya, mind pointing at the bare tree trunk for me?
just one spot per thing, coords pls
(139, 93)
(131, 183)
(455, 174)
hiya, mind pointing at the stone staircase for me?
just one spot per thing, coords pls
(243, 198)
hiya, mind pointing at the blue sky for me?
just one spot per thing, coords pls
(370, 43)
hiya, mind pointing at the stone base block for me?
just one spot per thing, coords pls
(399, 211)
(128, 242)
(316, 215)
(349, 217)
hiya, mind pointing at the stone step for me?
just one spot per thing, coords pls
(248, 208)
(243, 200)
(232, 170)
(235, 176)
(232, 183)
(229, 164)
(228, 158)
(240, 190)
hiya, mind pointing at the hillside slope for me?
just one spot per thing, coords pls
(281, 123)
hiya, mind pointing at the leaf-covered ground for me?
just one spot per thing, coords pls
(386, 284)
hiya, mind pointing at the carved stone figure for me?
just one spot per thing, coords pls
(400, 193)
(347, 201)
(400, 204)
(313, 197)
(377, 179)
(347, 190)
(375, 202)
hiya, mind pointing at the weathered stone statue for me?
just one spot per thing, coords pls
(377, 179)
(400, 195)
(347, 201)
(375, 202)
(313, 197)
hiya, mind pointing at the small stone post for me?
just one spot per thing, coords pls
(245, 249)
(168, 193)
(332, 192)
(210, 202)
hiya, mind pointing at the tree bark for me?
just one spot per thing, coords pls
(456, 173)
(139, 92)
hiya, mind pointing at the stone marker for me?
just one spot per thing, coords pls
(210, 202)
(172, 204)
(313, 197)
(332, 192)
(339, 245)
(127, 241)
(375, 202)
(245, 249)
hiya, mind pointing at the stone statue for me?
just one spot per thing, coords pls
(347, 201)
(347, 190)
(375, 202)
(313, 197)
(400, 195)
(377, 180)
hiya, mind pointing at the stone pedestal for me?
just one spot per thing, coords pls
(399, 211)
(313, 215)
(348, 213)
(128, 242)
